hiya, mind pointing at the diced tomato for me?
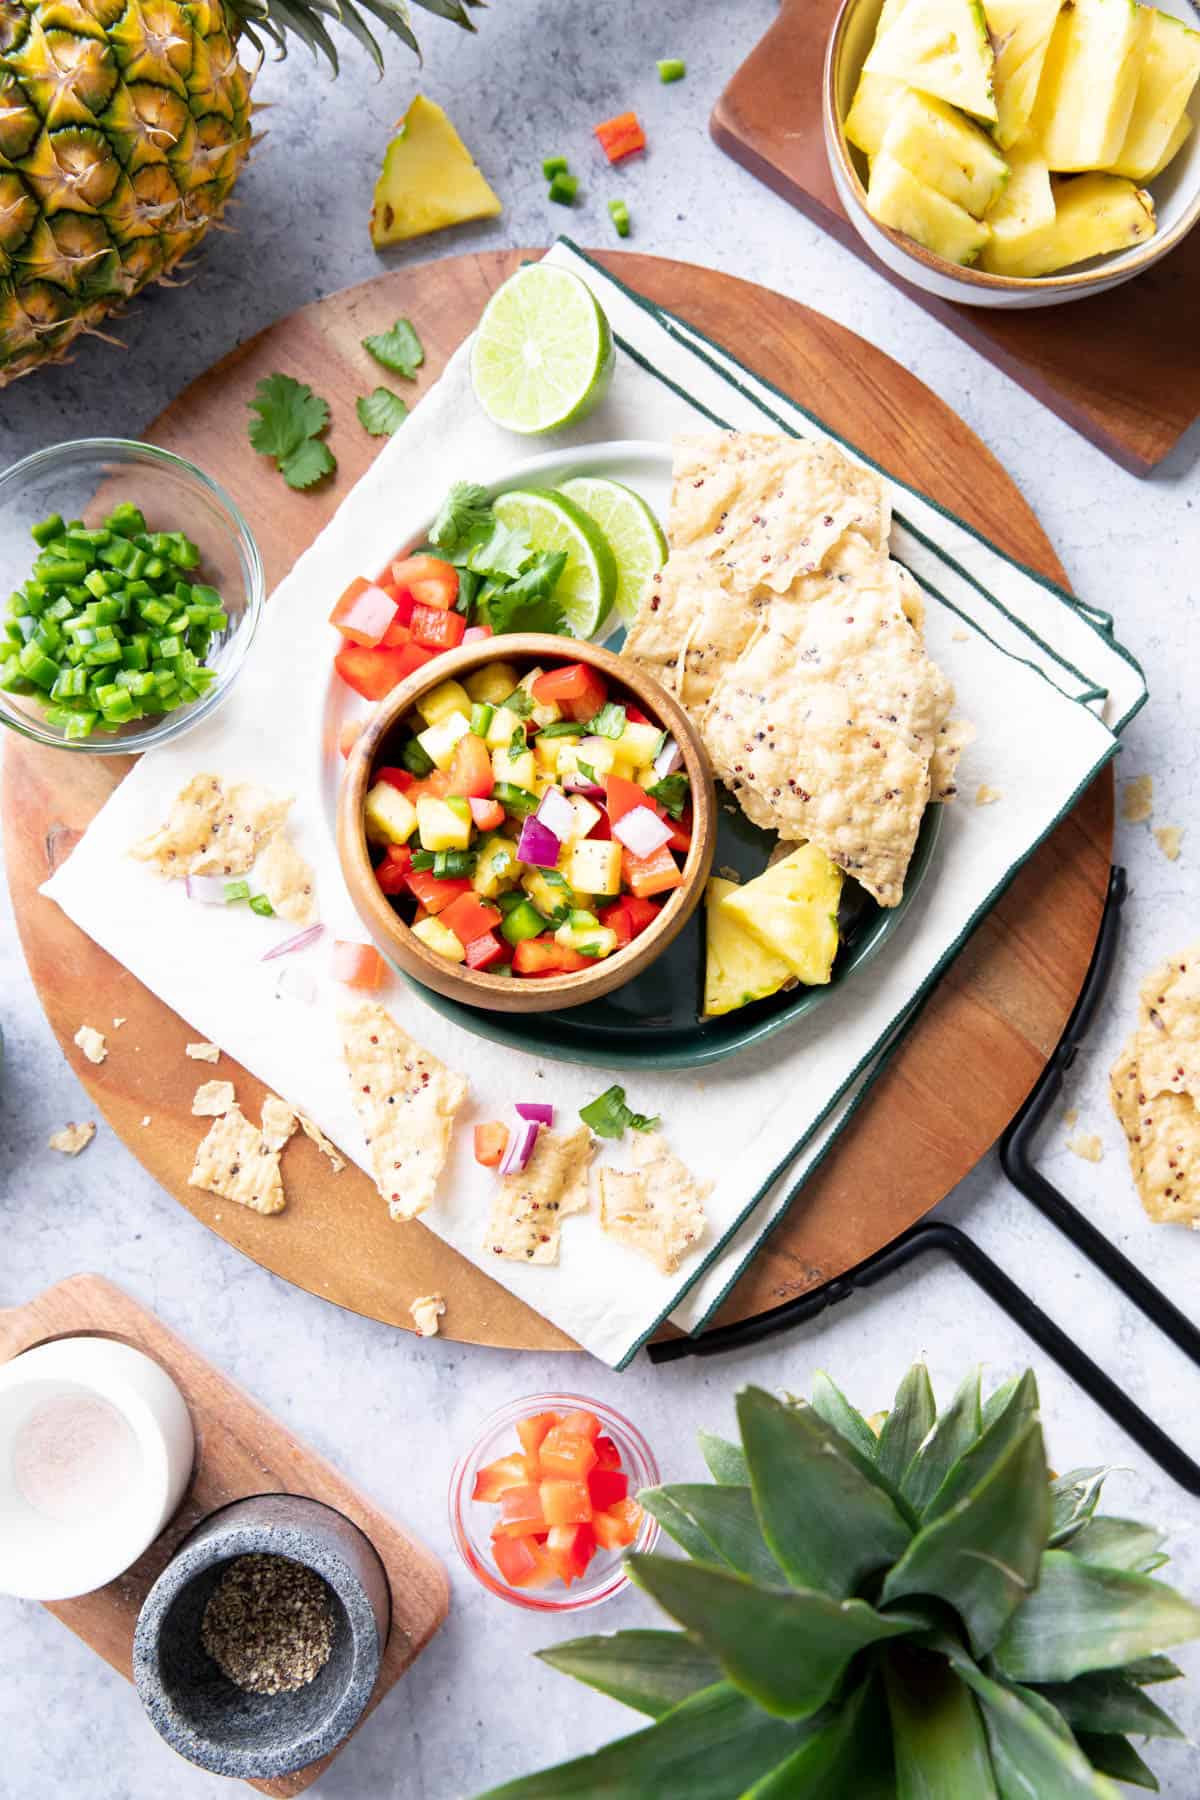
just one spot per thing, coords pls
(475, 634)
(523, 1562)
(618, 1525)
(487, 814)
(654, 874)
(429, 580)
(363, 613)
(435, 896)
(485, 950)
(358, 965)
(620, 136)
(532, 1430)
(542, 956)
(471, 770)
(469, 917)
(397, 778)
(571, 1548)
(582, 1424)
(580, 691)
(374, 673)
(641, 912)
(565, 1502)
(435, 786)
(520, 1513)
(622, 796)
(491, 1141)
(392, 873)
(565, 1453)
(437, 630)
(349, 735)
(607, 1454)
(607, 1486)
(635, 715)
(495, 1478)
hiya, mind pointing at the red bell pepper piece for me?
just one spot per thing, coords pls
(622, 796)
(434, 786)
(469, 917)
(392, 873)
(654, 874)
(435, 896)
(429, 580)
(620, 136)
(437, 630)
(471, 774)
(363, 613)
(487, 814)
(495, 1478)
(374, 673)
(520, 1513)
(635, 715)
(533, 1430)
(359, 966)
(475, 634)
(618, 1526)
(616, 918)
(578, 690)
(571, 1548)
(607, 1454)
(523, 1562)
(397, 778)
(485, 950)
(641, 912)
(491, 1141)
(582, 1424)
(349, 735)
(607, 1486)
(565, 1502)
(542, 956)
(567, 1454)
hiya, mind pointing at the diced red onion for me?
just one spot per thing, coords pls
(642, 831)
(519, 1148)
(540, 1111)
(579, 784)
(301, 941)
(555, 812)
(480, 809)
(539, 845)
(669, 758)
(208, 889)
(475, 634)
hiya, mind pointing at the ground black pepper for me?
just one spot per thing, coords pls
(268, 1624)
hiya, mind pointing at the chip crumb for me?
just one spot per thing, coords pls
(960, 636)
(529, 1206)
(426, 1312)
(1137, 799)
(73, 1138)
(1155, 1091)
(985, 795)
(92, 1043)
(1169, 839)
(656, 1208)
(313, 1132)
(1071, 1116)
(212, 829)
(287, 880)
(212, 1098)
(209, 1053)
(406, 1101)
(1086, 1145)
(117, 1024)
(234, 1162)
(279, 1121)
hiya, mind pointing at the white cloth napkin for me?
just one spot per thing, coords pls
(1033, 670)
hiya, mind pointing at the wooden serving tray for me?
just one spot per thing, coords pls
(1122, 368)
(240, 1450)
(981, 1041)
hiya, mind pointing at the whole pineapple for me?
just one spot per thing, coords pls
(123, 128)
(921, 1613)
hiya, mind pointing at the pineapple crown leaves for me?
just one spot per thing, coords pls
(303, 19)
(918, 1610)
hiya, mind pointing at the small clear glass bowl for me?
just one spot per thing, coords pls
(471, 1520)
(86, 479)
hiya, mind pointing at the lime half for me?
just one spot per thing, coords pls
(634, 536)
(588, 584)
(543, 352)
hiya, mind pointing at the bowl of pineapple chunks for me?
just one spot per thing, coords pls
(1015, 152)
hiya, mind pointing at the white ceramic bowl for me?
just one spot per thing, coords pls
(66, 1533)
(1176, 194)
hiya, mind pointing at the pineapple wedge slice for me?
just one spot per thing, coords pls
(791, 909)
(1179, 138)
(875, 101)
(942, 148)
(1094, 214)
(428, 180)
(896, 198)
(1170, 71)
(1090, 82)
(943, 48)
(737, 968)
(1020, 31)
(1023, 217)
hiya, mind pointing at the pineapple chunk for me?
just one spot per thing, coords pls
(1023, 217)
(1169, 73)
(389, 817)
(593, 866)
(737, 968)
(443, 824)
(1179, 137)
(943, 149)
(1094, 214)
(496, 867)
(587, 816)
(638, 745)
(1020, 32)
(520, 770)
(428, 179)
(491, 684)
(543, 712)
(439, 938)
(943, 48)
(501, 727)
(441, 701)
(590, 940)
(897, 198)
(791, 908)
(875, 100)
(438, 741)
(1090, 82)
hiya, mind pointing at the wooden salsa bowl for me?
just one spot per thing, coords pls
(476, 987)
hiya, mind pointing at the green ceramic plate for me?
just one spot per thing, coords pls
(654, 1020)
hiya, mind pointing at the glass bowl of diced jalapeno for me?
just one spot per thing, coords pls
(130, 591)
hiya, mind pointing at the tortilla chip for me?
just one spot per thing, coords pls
(189, 827)
(656, 1208)
(209, 1053)
(92, 1043)
(1137, 799)
(1155, 1089)
(313, 1131)
(406, 1101)
(212, 829)
(73, 1138)
(212, 1099)
(426, 1311)
(1087, 1146)
(690, 627)
(528, 1208)
(278, 1122)
(1169, 839)
(234, 1162)
(287, 880)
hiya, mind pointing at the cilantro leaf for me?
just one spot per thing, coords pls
(498, 550)
(510, 610)
(465, 508)
(609, 1117)
(307, 463)
(288, 412)
(518, 743)
(381, 412)
(609, 722)
(673, 792)
(398, 349)
(519, 702)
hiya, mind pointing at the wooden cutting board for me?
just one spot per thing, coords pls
(981, 1041)
(1122, 368)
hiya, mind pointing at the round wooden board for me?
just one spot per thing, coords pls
(981, 1041)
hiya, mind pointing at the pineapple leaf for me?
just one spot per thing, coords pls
(954, 1433)
(726, 1462)
(848, 1758)
(1083, 1618)
(1030, 1755)
(1115, 1756)
(1146, 1670)
(997, 1400)
(1119, 1544)
(725, 1518)
(1074, 1497)
(982, 1558)
(651, 1671)
(448, 9)
(682, 1528)
(940, 1745)
(1108, 1702)
(973, 1467)
(786, 1649)
(909, 1423)
(707, 1748)
(829, 1403)
(827, 1524)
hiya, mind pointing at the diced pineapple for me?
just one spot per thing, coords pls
(441, 701)
(502, 726)
(600, 755)
(875, 100)
(896, 198)
(443, 824)
(438, 741)
(587, 816)
(491, 684)
(589, 940)
(1090, 82)
(593, 866)
(428, 179)
(545, 712)
(1023, 217)
(548, 750)
(737, 968)
(942, 148)
(1179, 137)
(549, 890)
(496, 867)
(791, 908)
(1170, 70)
(943, 48)
(638, 745)
(1094, 215)
(389, 817)
(519, 768)
(439, 938)
(1020, 32)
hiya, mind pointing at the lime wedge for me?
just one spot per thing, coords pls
(543, 352)
(588, 584)
(634, 535)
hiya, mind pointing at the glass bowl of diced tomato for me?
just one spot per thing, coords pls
(544, 1507)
